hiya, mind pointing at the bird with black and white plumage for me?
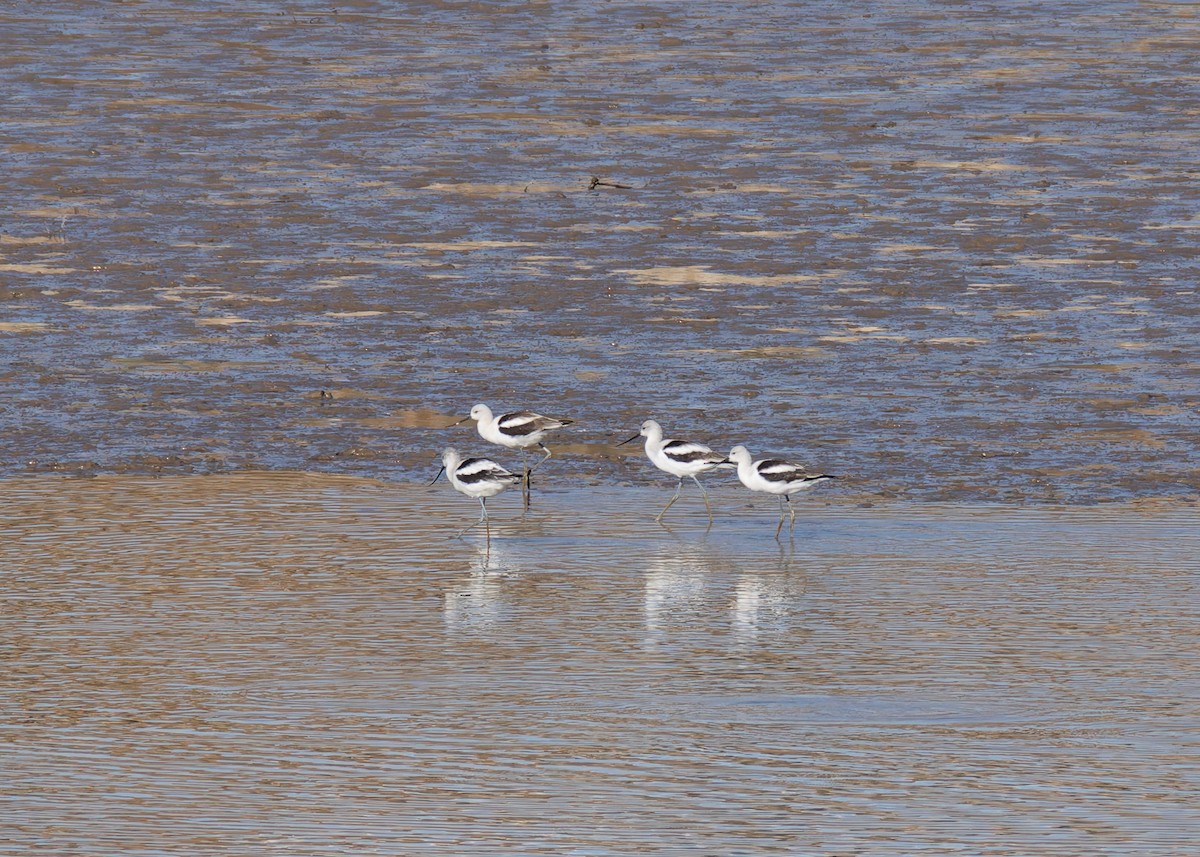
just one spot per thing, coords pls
(775, 476)
(516, 430)
(476, 477)
(681, 458)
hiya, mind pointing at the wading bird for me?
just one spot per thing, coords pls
(680, 458)
(775, 476)
(476, 477)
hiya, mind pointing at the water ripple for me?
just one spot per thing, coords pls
(285, 663)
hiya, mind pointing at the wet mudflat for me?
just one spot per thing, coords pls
(287, 664)
(949, 247)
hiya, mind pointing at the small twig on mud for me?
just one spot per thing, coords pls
(597, 183)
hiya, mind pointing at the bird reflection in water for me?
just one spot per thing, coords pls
(477, 599)
(679, 585)
(696, 589)
(767, 599)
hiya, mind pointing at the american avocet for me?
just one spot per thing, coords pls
(775, 476)
(679, 458)
(516, 430)
(476, 477)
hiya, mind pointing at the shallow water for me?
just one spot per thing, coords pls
(947, 247)
(298, 663)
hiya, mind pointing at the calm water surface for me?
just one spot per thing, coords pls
(284, 664)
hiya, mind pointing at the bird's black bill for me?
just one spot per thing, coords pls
(439, 473)
(460, 422)
(635, 437)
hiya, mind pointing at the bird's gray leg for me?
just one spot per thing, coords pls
(678, 488)
(793, 510)
(542, 447)
(482, 520)
(525, 482)
(704, 494)
(779, 529)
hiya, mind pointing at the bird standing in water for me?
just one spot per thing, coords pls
(476, 477)
(680, 458)
(775, 476)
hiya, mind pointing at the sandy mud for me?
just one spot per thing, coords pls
(947, 248)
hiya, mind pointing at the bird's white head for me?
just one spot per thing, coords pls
(450, 461)
(651, 429)
(739, 455)
(481, 413)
